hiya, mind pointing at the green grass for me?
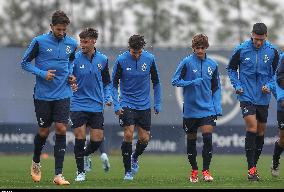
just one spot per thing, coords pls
(156, 171)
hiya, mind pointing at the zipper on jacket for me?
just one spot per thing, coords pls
(58, 49)
(256, 61)
(201, 67)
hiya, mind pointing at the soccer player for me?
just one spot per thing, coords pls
(132, 72)
(53, 53)
(87, 103)
(199, 77)
(279, 144)
(251, 70)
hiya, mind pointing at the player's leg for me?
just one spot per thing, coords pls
(279, 145)
(143, 124)
(61, 113)
(249, 115)
(207, 124)
(79, 120)
(190, 127)
(44, 119)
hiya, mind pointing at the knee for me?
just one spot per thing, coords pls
(128, 136)
(60, 128)
(144, 138)
(43, 132)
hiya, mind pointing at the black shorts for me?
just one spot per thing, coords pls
(190, 125)
(140, 118)
(95, 120)
(280, 119)
(261, 111)
(48, 112)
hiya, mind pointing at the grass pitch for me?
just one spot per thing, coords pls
(156, 171)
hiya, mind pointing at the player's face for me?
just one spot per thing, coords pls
(200, 51)
(258, 40)
(59, 30)
(87, 45)
(135, 53)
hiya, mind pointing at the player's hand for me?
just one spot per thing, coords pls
(157, 109)
(265, 89)
(109, 103)
(119, 112)
(72, 82)
(240, 91)
(50, 75)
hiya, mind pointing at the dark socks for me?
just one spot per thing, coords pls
(276, 155)
(126, 151)
(92, 147)
(39, 143)
(259, 145)
(79, 156)
(250, 148)
(102, 147)
(192, 153)
(59, 152)
(140, 147)
(207, 150)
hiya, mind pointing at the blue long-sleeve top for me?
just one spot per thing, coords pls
(50, 53)
(201, 86)
(133, 79)
(93, 79)
(250, 69)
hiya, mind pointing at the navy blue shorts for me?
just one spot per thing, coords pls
(140, 118)
(280, 119)
(48, 112)
(190, 125)
(261, 111)
(95, 120)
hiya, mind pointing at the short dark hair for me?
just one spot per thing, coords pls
(200, 40)
(89, 32)
(59, 17)
(136, 42)
(259, 29)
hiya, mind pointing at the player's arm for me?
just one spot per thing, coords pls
(106, 84)
(31, 53)
(216, 92)
(270, 85)
(280, 81)
(72, 77)
(155, 77)
(116, 76)
(232, 69)
(179, 76)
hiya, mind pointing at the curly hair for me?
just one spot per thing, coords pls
(200, 40)
(89, 32)
(136, 42)
(59, 17)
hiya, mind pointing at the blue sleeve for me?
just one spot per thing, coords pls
(106, 83)
(116, 76)
(178, 77)
(232, 69)
(216, 91)
(155, 77)
(279, 79)
(31, 53)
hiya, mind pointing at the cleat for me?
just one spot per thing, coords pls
(134, 165)
(193, 178)
(274, 170)
(252, 174)
(80, 176)
(87, 163)
(35, 171)
(59, 180)
(105, 161)
(207, 176)
(128, 176)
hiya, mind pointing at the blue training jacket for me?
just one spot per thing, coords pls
(250, 69)
(93, 81)
(201, 87)
(133, 78)
(50, 53)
